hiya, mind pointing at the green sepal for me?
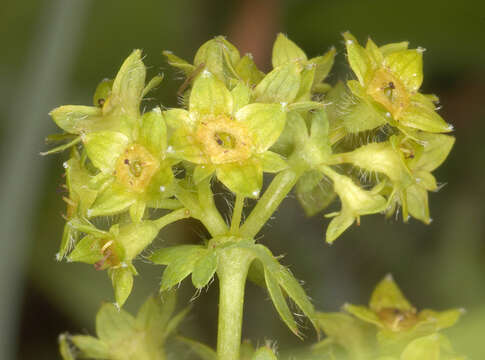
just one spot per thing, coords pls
(375, 55)
(423, 118)
(135, 237)
(245, 178)
(203, 351)
(62, 147)
(66, 351)
(286, 51)
(272, 162)
(435, 151)
(248, 71)
(323, 65)
(265, 123)
(305, 106)
(294, 135)
(247, 350)
(75, 119)
(279, 86)
(424, 348)
(137, 210)
(202, 172)
(363, 313)
(441, 319)
(104, 148)
(153, 132)
(90, 347)
(358, 59)
(209, 95)
(179, 63)
(417, 203)
(408, 66)
(103, 92)
(338, 225)
(156, 312)
(113, 200)
(307, 77)
(87, 250)
(264, 353)
(393, 47)
(122, 281)
(204, 269)
(152, 84)
(388, 295)
(314, 192)
(241, 95)
(128, 86)
(114, 325)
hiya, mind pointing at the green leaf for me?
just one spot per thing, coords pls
(91, 347)
(264, 353)
(156, 312)
(87, 250)
(201, 350)
(153, 132)
(114, 325)
(425, 348)
(75, 118)
(286, 51)
(279, 302)
(273, 162)
(204, 269)
(209, 96)
(248, 71)
(280, 86)
(265, 123)
(104, 148)
(122, 280)
(180, 267)
(128, 86)
(435, 151)
(179, 63)
(388, 295)
(338, 225)
(358, 59)
(175, 321)
(245, 179)
(408, 66)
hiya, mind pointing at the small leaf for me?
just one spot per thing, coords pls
(87, 250)
(286, 51)
(180, 267)
(280, 86)
(104, 148)
(168, 254)
(435, 151)
(204, 269)
(152, 84)
(122, 280)
(91, 347)
(156, 312)
(338, 225)
(279, 302)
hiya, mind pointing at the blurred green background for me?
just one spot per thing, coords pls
(54, 52)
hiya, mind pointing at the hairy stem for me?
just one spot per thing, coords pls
(269, 202)
(172, 217)
(237, 214)
(232, 272)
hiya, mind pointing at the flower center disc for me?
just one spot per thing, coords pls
(136, 167)
(398, 320)
(389, 91)
(224, 140)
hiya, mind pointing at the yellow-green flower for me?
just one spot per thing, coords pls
(386, 89)
(223, 133)
(135, 174)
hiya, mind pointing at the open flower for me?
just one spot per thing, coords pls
(386, 91)
(135, 174)
(222, 133)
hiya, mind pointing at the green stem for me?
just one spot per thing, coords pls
(269, 202)
(172, 217)
(237, 214)
(232, 272)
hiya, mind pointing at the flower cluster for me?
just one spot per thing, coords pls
(236, 124)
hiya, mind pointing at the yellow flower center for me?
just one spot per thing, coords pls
(136, 167)
(389, 91)
(224, 140)
(398, 320)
